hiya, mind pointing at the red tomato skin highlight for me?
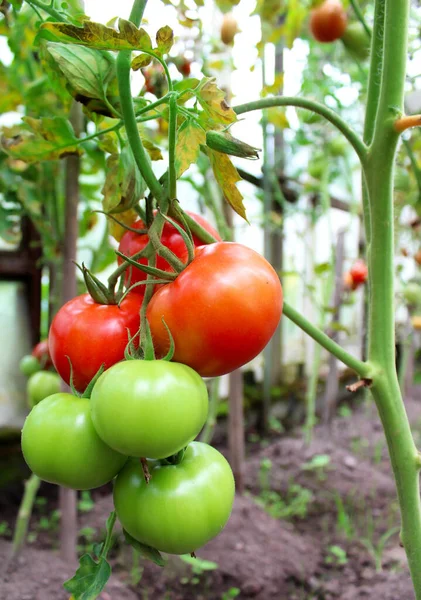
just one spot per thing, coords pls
(91, 334)
(222, 309)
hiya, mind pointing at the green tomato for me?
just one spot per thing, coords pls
(412, 294)
(183, 506)
(316, 167)
(337, 147)
(41, 385)
(150, 408)
(60, 444)
(29, 365)
(356, 40)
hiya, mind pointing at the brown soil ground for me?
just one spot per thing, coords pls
(337, 538)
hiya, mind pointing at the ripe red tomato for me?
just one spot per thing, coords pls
(221, 310)
(91, 334)
(359, 272)
(42, 353)
(183, 507)
(328, 21)
(131, 243)
(418, 257)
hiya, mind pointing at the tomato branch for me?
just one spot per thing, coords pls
(172, 137)
(407, 122)
(48, 9)
(320, 109)
(363, 369)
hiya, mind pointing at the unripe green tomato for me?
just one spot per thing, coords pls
(356, 40)
(316, 168)
(337, 147)
(41, 385)
(412, 294)
(60, 444)
(183, 506)
(149, 408)
(29, 365)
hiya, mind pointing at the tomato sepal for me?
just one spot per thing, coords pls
(97, 290)
(147, 552)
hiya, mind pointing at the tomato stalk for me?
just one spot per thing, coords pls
(384, 107)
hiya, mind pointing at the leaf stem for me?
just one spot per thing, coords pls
(172, 137)
(363, 369)
(360, 16)
(316, 107)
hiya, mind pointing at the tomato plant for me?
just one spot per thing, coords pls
(184, 505)
(221, 310)
(91, 335)
(149, 408)
(41, 385)
(132, 242)
(60, 444)
(328, 21)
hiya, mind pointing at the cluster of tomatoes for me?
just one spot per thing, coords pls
(138, 418)
(356, 276)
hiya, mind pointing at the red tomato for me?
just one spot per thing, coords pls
(359, 272)
(221, 310)
(42, 353)
(183, 65)
(131, 243)
(91, 334)
(328, 21)
(418, 257)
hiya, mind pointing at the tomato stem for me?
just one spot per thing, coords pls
(316, 107)
(145, 469)
(172, 137)
(363, 369)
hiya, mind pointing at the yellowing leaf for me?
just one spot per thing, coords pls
(212, 100)
(164, 39)
(96, 35)
(189, 139)
(128, 218)
(41, 139)
(227, 176)
(153, 151)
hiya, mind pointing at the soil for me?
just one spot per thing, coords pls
(318, 521)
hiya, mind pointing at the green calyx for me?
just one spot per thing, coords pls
(224, 142)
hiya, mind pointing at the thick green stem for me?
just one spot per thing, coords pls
(320, 109)
(379, 178)
(374, 81)
(364, 370)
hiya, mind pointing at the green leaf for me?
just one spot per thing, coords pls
(227, 176)
(322, 268)
(86, 70)
(212, 100)
(146, 551)
(96, 35)
(90, 578)
(190, 137)
(186, 84)
(48, 138)
(164, 39)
